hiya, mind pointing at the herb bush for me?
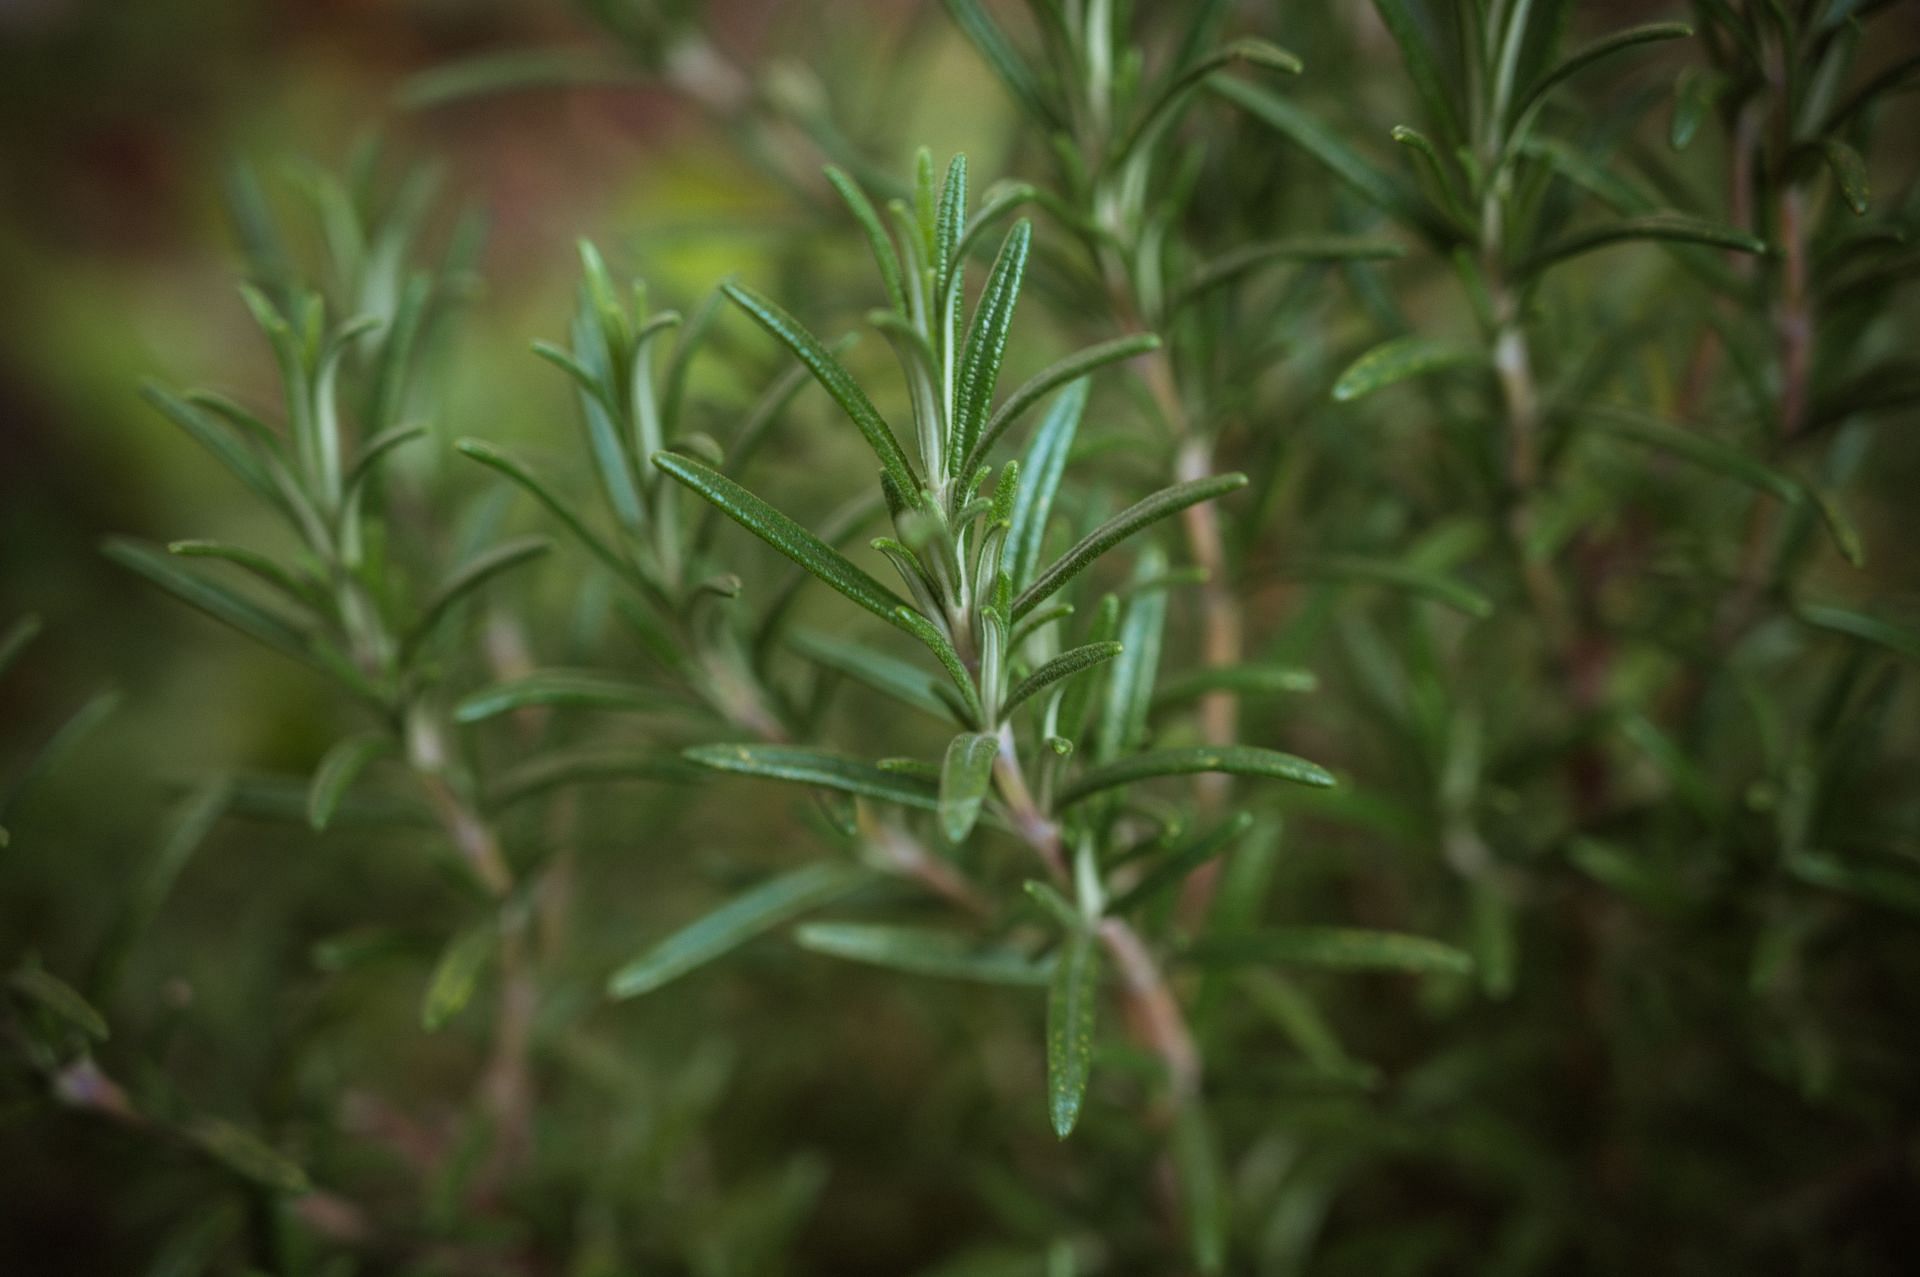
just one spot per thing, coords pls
(1340, 704)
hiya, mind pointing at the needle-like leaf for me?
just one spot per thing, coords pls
(815, 767)
(924, 951)
(1337, 948)
(339, 767)
(965, 776)
(1071, 1005)
(1051, 378)
(1068, 663)
(754, 913)
(1397, 359)
(1237, 760)
(470, 577)
(1142, 514)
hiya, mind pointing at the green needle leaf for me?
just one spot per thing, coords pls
(1679, 228)
(1249, 49)
(987, 341)
(208, 596)
(1586, 56)
(1402, 576)
(1336, 948)
(833, 376)
(815, 767)
(43, 988)
(1230, 266)
(338, 769)
(884, 254)
(457, 974)
(1071, 1004)
(924, 951)
(1040, 469)
(582, 689)
(1849, 170)
(772, 903)
(1069, 662)
(247, 1155)
(487, 455)
(1237, 760)
(1051, 378)
(1161, 505)
(1396, 360)
(1241, 680)
(965, 776)
(784, 535)
(470, 576)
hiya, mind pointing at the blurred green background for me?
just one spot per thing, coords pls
(786, 1115)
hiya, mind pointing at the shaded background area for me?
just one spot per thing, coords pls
(784, 1115)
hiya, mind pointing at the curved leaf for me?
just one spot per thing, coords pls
(457, 974)
(784, 535)
(1230, 266)
(1051, 378)
(1068, 663)
(966, 774)
(751, 914)
(467, 579)
(1237, 760)
(923, 951)
(585, 689)
(1678, 228)
(1142, 514)
(815, 767)
(1336, 948)
(1397, 359)
(338, 769)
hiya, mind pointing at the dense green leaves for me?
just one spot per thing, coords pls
(753, 913)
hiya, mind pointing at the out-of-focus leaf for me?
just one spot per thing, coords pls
(886, 674)
(1241, 680)
(457, 974)
(1336, 948)
(487, 455)
(1860, 625)
(1849, 170)
(1043, 383)
(467, 579)
(1587, 55)
(1396, 360)
(1668, 227)
(578, 689)
(338, 769)
(769, 905)
(1398, 575)
(1072, 1002)
(493, 74)
(965, 776)
(1250, 49)
(44, 989)
(1238, 760)
(247, 1155)
(594, 764)
(924, 951)
(1173, 868)
(211, 597)
(1230, 266)
(1197, 1156)
(985, 34)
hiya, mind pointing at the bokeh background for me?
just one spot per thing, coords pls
(783, 1116)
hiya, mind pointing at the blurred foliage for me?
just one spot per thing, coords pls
(1569, 354)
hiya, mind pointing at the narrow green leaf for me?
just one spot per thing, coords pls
(1249, 49)
(338, 769)
(1068, 663)
(987, 37)
(1241, 680)
(1041, 468)
(79, 725)
(1388, 572)
(924, 951)
(966, 775)
(186, 827)
(1586, 56)
(884, 673)
(1049, 898)
(487, 455)
(987, 342)
(1387, 193)
(247, 1155)
(772, 903)
(950, 223)
(1849, 170)
(210, 597)
(1840, 620)
(44, 989)
(1129, 685)
(784, 535)
(884, 254)
(1397, 359)
(814, 767)
(1197, 1155)
(1694, 94)
(1071, 1005)
(1231, 265)
(942, 648)
(1335, 948)
(457, 974)
(833, 376)
(579, 689)
(1173, 868)
(467, 579)
(1047, 380)
(18, 635)
(303, 594)
(1142, 514)
(231, 451)
(593, 764)
(1678, 228)
(1691, 445)
(1237, 760)
(517, 71)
